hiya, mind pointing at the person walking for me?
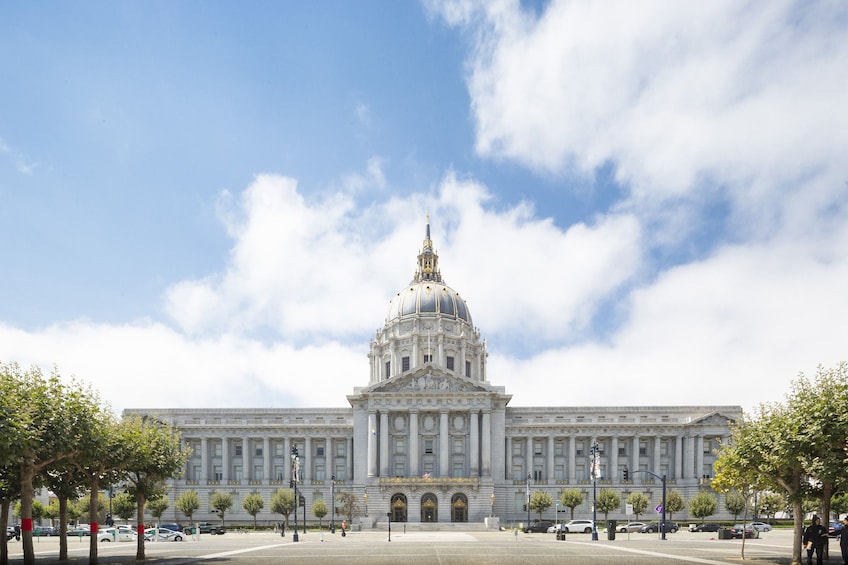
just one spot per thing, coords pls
(815, 536)
(344, 527)
(843, 540)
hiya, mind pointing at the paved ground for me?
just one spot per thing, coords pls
(443, 548)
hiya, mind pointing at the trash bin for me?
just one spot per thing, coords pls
(611, 524)
(724, 533)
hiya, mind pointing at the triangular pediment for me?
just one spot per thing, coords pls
(713, 418)
(428, 380)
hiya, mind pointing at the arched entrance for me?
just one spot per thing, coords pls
(399, 507)
(429, 508)
(459, 508)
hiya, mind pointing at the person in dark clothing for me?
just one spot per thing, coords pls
(815, 536)
(843, 541)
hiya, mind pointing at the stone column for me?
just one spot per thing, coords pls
(474, 440)
(287, 459)
(372, 444)
(508, 459)
(699, 457)
(613, 459)
(689, 458)
(486, 435)
(634, 460)
(225, 459)
(384, 444)
(204, 459)
(549, 457)
(444, 445)
(266, 462)
(245, 459)
(306, 460)
(678, 457)
(657, 455)
(413, 443)
(349, 459)
(572, 460)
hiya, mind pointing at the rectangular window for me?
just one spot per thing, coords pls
(278, 472)
(217, 448)
(341, 448)
(708, 445)
(516, 448)
(388, 369)
(582, 472)
(559, 472)
(279, 449)
(217, 473)
(664, 448)
(602, 446)
(196, 473)
(428, 358)
(643, 448)
(400, 446)
(320, 472)
(468, 369)
(537, 473)
(458, 469)
(517, 473)
(578, 448)
(259, 449)
(428, 446)
(559, 448)
(237, 450)
(428, 467)
(458, 445)
(341, 472)
(400, 469)
(319, 449)
(450, 363)
(537, 448)
(404, 364)
(258, 473)
(238, 474)
(622, 451)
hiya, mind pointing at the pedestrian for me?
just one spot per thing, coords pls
(344, 527)
(815, 536)
(17, 532)
(843, 540)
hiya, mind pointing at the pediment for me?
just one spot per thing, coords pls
(428, 380)
(712, 419)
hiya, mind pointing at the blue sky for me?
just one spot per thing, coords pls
(226, 195)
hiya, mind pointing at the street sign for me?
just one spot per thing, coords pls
(658, 508)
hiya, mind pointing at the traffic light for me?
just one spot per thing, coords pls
(626, 474)
(525, 508)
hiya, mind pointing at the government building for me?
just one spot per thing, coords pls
(430, 439)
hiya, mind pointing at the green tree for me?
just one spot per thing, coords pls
(319, 510)
(253, 504)
(734, 502)
(839, 504)
(702, 505)
(348, 504)
(571, 498)
(540, 501)
(124, 506)
(154, 454)
(770, 503)
(220, 502)
(282, 502)
(156, 507)
(608, 501)
(673, 503)
(639, 501)
(188, 503)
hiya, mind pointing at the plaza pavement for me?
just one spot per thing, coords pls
(442, 548)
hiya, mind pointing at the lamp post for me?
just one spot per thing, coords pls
(365, 500)
(493, 503)
(528, 501)
(389, 516)
(333, 510)
(295, 465)
(594, 453)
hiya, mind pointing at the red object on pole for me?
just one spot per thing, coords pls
(26, 524)
(94, 528)
(141, 530)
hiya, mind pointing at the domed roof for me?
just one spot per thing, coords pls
(427, 294)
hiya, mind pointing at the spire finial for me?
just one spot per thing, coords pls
(428, 260)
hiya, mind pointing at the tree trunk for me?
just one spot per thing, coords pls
(139, 501)
(798, 515)
(27, 493)
(63, 528)
(92, 519)
(4, 519)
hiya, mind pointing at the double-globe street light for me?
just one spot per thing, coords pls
(295, 465)
(594, 452)
(333, 510)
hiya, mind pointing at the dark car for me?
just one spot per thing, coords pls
(173, 526)
(835, 529)
(44, 531)
(750, 531)
(538, 527)
(210, 528)
(706, 528)
(653, 527)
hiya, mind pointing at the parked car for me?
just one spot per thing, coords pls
(164, 535)
(555, 529)
(538, 527)
(750, 531)
(116, 534)
(44, 531)
(206, 527)
(578, 526)
(172, 526)
(761, 526)
(78, 531)
(705, 527)
(631, 527)
(653, 527)
(834, 530)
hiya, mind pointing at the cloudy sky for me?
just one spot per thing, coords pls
(210, 204)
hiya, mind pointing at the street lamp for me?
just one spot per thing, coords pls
(365, 500)
(528, 501)
(594, 453)
(333, 497)
(493, 503)
(389, 516)
(295, 465)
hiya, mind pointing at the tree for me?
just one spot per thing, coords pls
(839, 504)
(702, 505)
(639, 501)
(252, 504)
(348, 504)
(319, 510)
(123, 505)
(540, 501)
(154, 454)
(188, 503)
(571, 498)
(220, 502)
(734, 502)
(770, 503)
(608, 501)
(282, 502)
(157, 506)
(673, 503)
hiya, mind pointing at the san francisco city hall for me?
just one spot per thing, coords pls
(430, 439)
